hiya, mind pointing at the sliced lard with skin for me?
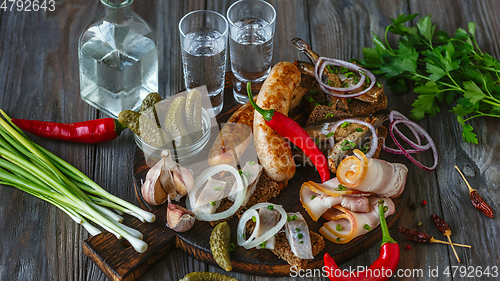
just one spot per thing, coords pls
(268, 220)
(359, 204)
(354, 224)
(297, 233)
(251, 173)
(384, 179)
(210, 197)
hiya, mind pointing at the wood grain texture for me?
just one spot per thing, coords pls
(39, 80)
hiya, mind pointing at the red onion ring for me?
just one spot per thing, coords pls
(373, 145)
(395, 115)
(422, 132)
(319, 67)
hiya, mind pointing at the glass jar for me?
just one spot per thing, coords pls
(118, 59)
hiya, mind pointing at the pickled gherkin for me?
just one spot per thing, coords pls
(174, 123)
(130, 119)
(194, 114)
(219, 245)
(148, 107)
(207, 276)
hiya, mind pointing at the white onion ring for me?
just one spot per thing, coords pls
(319, 68)
(202, 178)
(374, 144)
(418, 147)
(247, 215)
(421, 131)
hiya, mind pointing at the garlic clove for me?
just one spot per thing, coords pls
(166, 178)
(152, 191)
(179, 219)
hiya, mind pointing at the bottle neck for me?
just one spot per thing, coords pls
(118, 10)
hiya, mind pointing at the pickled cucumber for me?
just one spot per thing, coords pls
(153, 135)
(130, 119)
(193, 114)
(174, 123)
(148, 107)
(219, 245)
(207, 276)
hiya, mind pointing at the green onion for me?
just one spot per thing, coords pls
(251, 163)
(301, 242)
(359, 129)
(270, 207)
(338, 227)
(232, 247)
(309, 99)
(263, 245)
(343, 69)
(297, 229)
(349, 74)
(340, 188)
(36, 171)
(329, 135)
(254, 219)
(212, 203)
(329, 68)
(313, 91)
(386, 209)
(378, 84)
(330, 83)
(313, 196)
(218, 188)
(367, 227)
(338, 239)
(300, 235)
(345, 124)
(329, 115)
(317, 104)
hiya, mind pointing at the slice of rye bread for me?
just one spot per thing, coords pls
(356, 108)
(283, 250)
(266, 189)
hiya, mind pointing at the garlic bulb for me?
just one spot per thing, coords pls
(175, 179)
(152, 191)
(179, 219)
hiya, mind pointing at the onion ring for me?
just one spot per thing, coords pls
(421, 131)
(247, 215)
(374, 144)
(418, 147)
(202, 178)
(319, 68)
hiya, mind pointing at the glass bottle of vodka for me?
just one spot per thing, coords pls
(118, 59)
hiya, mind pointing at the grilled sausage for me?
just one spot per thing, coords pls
(234, 138)
(273, 150)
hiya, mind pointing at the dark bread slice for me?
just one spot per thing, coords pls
(266, 189)
(356, 108)
(283, 250)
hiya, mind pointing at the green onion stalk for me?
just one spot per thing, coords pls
(34, 170)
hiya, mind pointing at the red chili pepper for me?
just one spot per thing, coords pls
(91, 131)
(382, 269)
(292, 131)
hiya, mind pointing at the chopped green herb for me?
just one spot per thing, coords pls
(340, 188)
(362, 72)
(378, 84)
(343, 69)
(263, 245)
(359, 129)
(349, 74)
(335, 70)
(270, 207)
(356, 80)
(231, 247)
(367, 227)
(309, 99)
(338, 227)
(251, 163)
(301, 242)
(254, 219)
(329, 135)
(240, 171)
(367, 80)
(346, 145)
(344, 85)
(330, 105)
(313, 91)
(218, 188)
(246, 174)
(300, 235)
(316, 141)
(212, 203)
(243, 235)
(313, 196)
(297, 229)
(330, 83)
(329, 67)
(365, 149)
(345, 124)
(317, 104)
(386, 209)
(329, 115)
(294, 217)
(338, 239)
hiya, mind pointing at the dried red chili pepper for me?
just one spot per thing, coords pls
(476, 200)
(422, 237)
(444, 228)
(292, 131)
(386, 263)
(91, 131)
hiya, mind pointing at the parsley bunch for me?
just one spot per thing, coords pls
(443, 68)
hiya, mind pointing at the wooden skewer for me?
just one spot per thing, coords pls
(448, 243)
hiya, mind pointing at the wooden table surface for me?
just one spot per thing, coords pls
(39, 80)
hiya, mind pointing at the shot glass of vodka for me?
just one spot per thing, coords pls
(251, 36)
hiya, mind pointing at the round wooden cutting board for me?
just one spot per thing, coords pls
(114, 257)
